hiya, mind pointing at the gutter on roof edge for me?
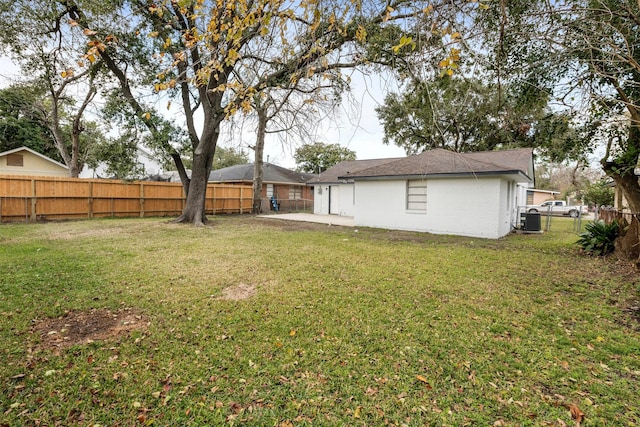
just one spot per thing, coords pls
(435, 176)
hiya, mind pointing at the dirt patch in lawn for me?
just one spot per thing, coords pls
(238, 292)
(83, 327)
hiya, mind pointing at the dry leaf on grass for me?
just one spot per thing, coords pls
(576, 413)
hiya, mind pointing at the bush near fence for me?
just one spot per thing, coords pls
(32, 198)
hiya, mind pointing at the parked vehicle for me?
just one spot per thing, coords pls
(559, 208)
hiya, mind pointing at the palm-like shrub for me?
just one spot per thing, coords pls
(599, 238)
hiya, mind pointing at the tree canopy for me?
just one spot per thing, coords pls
(584, 55)
(229, 156)
(464, 114)
(318, 157)
(21, 122)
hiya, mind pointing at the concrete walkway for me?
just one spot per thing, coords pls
(345, 221)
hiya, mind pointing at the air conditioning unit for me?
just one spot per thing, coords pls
(530, 222)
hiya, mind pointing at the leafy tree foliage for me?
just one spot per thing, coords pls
(464, 115)
(585, 55)
(600, 193)
(229, 156)
(318, 157)
(21, 121)
(119, 155)
(50, 61)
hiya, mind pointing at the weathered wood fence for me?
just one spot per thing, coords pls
(32, 198)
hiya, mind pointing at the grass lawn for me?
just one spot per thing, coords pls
(265, 323)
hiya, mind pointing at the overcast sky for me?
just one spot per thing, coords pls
(355, 127)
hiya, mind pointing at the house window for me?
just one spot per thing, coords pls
(295, 193)
(15, 160)
(417, 196)
(269, 190)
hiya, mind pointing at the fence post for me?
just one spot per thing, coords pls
(33, 199)
(213, 199)
(141, 200)
(90, 201)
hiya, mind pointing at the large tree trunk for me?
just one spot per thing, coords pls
(621, 169)
(628, 244)
(194, 210)
(258, 161)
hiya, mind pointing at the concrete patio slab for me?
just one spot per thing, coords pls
(345, 221)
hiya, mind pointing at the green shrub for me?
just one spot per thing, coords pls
(598, 239)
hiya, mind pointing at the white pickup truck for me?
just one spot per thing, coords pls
(558, 207)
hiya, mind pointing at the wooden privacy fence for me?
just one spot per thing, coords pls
(32, 198)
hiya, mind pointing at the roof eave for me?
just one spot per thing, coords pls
(515, 173)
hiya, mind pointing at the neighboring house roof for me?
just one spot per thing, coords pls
(444, 163)
(333, 174)
(270, 173)
(49, 159)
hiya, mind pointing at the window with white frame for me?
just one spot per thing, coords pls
(295, 192)
(269, 190)
(417, 195)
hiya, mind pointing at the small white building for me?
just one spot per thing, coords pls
(438, 191)
(147, 163)
(25, 161)
(335, 195)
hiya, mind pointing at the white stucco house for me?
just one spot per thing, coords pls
(437, 191)
(147, 163)
(335, 192)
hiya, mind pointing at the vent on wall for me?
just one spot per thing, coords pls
(15, 160)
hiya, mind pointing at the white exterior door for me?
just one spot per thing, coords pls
(334, 199)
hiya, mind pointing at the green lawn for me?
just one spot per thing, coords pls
(344, 327)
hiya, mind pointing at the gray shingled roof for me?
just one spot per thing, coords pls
(271, 173)
(440, 162)
(332, 174)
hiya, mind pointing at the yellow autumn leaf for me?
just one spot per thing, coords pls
(421, 378)
(455, 35)
(73, 22)
(450, 72)
(361, 33)
(88, 32)
(444, 63)
(424, 380)
(146, 115)
(356, 413)
(292, 332)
